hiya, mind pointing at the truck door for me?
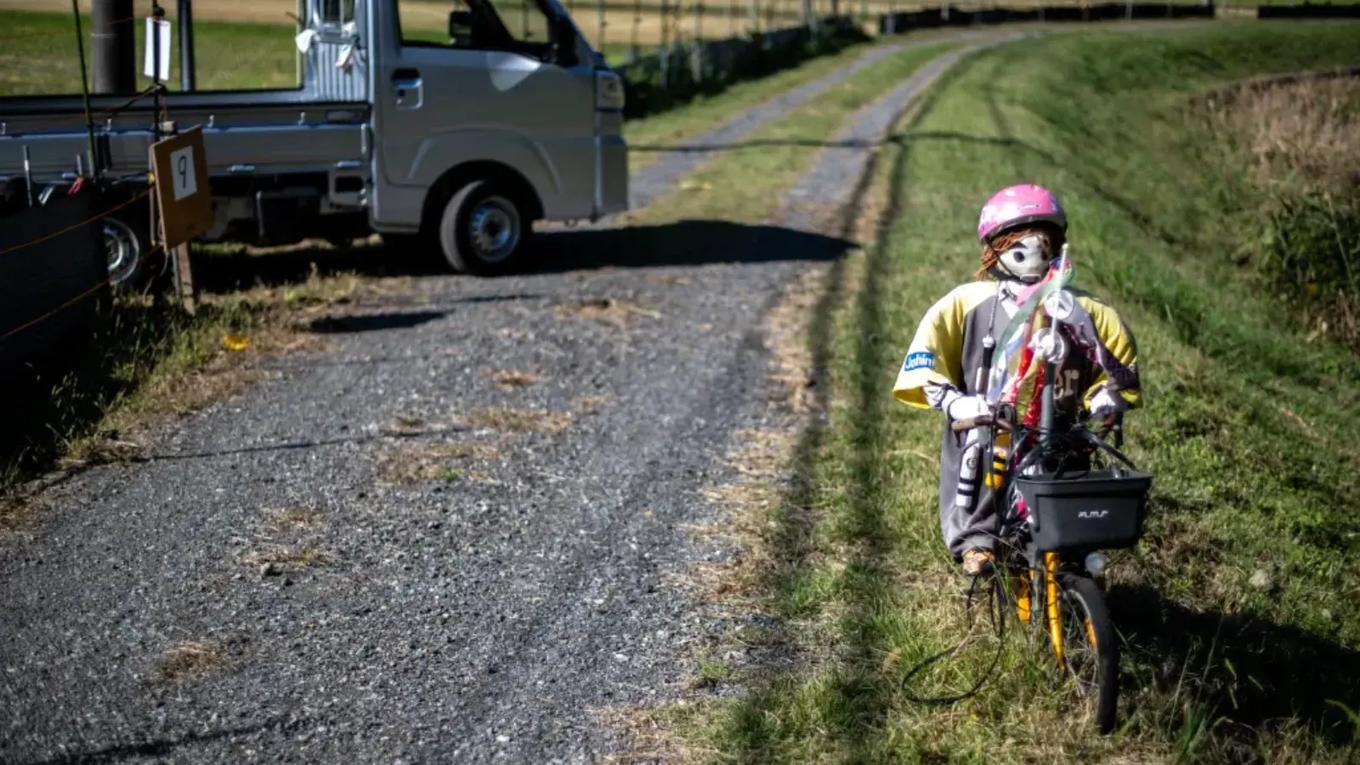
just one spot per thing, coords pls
(487, 81)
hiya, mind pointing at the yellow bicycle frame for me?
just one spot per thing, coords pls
(1052, 606)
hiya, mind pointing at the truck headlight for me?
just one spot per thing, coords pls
(608, 91)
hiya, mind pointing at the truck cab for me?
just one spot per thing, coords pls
(458, 121)
(508, 117)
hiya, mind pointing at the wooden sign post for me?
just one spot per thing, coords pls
(184, 200)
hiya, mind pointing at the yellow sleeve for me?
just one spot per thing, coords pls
(1117, 337)
(936, 352)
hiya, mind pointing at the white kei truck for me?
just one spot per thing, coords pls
(464, 138)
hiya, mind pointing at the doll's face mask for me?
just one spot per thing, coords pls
(1027, 259)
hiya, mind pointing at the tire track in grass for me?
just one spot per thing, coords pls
(835, 179)
(655, 179)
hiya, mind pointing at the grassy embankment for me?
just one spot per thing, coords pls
(1242, 641)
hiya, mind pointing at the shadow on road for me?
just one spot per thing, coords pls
(161, 747)
(684, 243)
(341, 325)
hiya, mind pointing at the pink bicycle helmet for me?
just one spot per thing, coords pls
(1017, 205)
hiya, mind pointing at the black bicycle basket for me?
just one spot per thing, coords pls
(1090, 510)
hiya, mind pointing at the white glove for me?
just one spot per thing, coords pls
(962, 407)
(1105, 403)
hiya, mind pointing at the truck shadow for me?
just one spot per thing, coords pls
(1238, 668)
(684, 243)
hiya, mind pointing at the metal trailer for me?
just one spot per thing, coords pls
(465, 142)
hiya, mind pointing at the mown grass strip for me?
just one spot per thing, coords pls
(1219, 668)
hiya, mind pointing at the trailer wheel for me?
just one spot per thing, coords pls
(127, 257)
(484, 229)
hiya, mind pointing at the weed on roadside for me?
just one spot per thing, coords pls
(190, 659)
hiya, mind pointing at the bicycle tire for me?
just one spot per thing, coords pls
(1095, 670)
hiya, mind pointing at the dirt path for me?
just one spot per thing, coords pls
(450, 535)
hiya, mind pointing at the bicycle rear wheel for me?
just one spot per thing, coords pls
(1090, 649)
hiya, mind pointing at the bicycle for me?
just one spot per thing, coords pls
(1059, 512)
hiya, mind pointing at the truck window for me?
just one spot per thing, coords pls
(336, 13)
(521, 26)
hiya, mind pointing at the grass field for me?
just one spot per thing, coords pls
(38, 54)
(1242, 641)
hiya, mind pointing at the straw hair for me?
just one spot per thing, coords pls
(1053, 237)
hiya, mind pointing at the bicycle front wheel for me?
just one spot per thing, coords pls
(1090, 650)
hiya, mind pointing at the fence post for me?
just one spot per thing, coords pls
(633, 36)
(664, 52)
(599, 12)
(696, 60)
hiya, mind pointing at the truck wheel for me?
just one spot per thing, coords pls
(483, 229)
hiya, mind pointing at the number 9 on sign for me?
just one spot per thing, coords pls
(182, 172)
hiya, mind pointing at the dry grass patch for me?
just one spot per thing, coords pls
(191, 658)
(512, 378)
(288, 519)
(589, 405)
(273, 559)
(435, 462)
(511, 420)
(1302, 140)
(616, 313)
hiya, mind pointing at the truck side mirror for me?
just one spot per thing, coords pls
(460, 25)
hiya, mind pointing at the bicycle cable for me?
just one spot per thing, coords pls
(997, 615)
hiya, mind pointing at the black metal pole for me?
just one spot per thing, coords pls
(84, 88)
(113, 46)
(187, 81)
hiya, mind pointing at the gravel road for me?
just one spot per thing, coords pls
(449, 533)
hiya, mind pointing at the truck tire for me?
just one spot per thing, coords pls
(483, 229)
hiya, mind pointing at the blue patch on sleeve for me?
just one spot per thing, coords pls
(918, 360)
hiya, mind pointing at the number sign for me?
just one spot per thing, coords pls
(181, 172)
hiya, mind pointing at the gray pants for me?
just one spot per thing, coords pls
(965, 528)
